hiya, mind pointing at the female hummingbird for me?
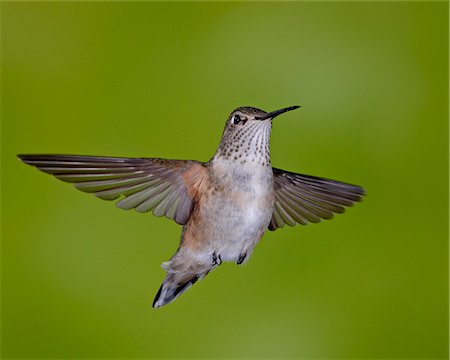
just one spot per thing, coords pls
(224, 205)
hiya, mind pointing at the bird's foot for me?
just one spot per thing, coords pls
(241, 258)
(216, 259)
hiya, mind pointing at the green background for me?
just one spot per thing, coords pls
(159, 79)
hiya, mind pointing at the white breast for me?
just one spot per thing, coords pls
(242, 213)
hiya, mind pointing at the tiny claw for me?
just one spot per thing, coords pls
(216, 259)
(241, 258)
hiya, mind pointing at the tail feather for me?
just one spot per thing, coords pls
(183, 271)
(171, 288)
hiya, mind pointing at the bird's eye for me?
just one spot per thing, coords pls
(236, 119)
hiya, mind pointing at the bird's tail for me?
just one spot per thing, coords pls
(178, 280)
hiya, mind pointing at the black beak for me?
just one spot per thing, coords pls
(275, 113)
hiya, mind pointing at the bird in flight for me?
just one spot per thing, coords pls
(224, 205)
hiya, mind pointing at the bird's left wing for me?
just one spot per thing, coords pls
(166, 186)
(300, 199)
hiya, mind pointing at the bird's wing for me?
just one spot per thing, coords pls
(166, 186)
(300, 199)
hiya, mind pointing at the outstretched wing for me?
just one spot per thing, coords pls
(300, 199)
(142, 183)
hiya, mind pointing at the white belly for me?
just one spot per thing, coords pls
(240, 218)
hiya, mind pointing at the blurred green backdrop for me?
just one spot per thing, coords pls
(159, 79)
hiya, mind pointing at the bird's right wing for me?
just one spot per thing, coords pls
(300, 199)
(166, 186)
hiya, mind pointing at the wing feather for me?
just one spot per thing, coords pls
(300, 199)
(140, 183)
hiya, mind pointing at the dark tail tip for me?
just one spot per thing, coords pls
(170, 290)
(158, 294)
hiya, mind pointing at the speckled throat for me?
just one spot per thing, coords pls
(246, 144)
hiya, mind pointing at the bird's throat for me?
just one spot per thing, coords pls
(246, 147)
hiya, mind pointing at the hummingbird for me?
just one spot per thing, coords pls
(224, 205)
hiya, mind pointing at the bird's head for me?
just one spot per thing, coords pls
(247, 134)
